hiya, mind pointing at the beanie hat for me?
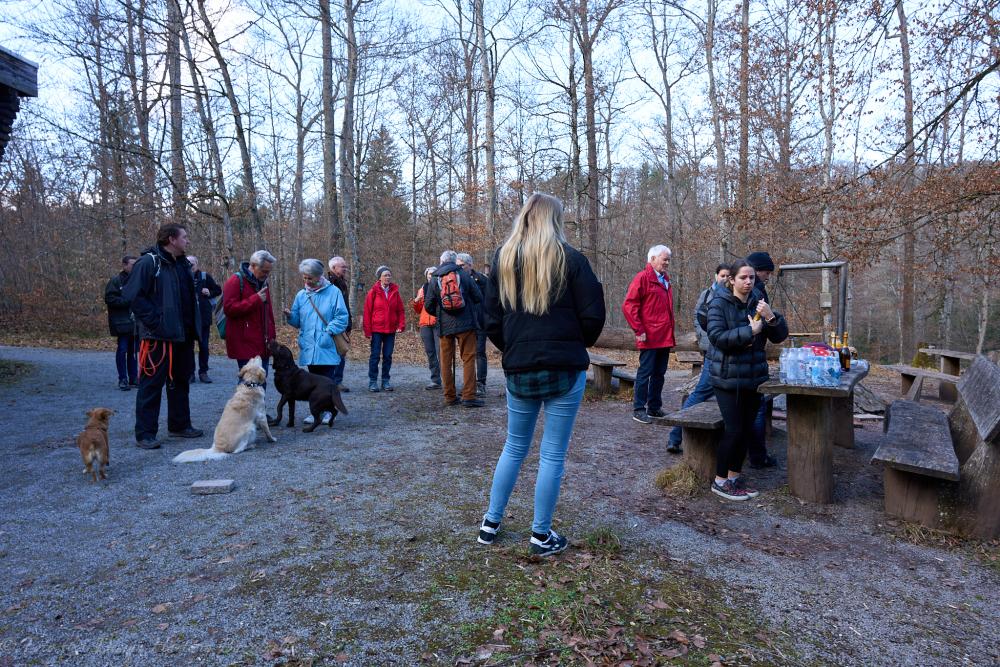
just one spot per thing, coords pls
(380, 270)
(760, 261)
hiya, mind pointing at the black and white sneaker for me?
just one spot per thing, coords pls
(488, 531)
(551, 545)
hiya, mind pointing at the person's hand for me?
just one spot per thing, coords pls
(641, 338)
(263, 294)
(756, 326)
(287, 313)
(764, 310)
(204, 290)
(347, 337)
(399, 330)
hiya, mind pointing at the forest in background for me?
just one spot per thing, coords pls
(386, 132)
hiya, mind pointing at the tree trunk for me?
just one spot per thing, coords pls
(178, 178)
(347, 183)
(575, 170)
(721, 190)
(135, 23)
(330, 204)
(587, 40)
(489, 124)
(742, 183)
(909, 234)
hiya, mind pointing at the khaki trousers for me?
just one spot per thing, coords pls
(467, 350)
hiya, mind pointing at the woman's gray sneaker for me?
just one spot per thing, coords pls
(551, 545)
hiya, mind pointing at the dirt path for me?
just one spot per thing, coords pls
(357, 546)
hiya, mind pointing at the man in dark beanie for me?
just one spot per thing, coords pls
(763, 266)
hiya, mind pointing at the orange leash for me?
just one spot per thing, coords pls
(147, 366)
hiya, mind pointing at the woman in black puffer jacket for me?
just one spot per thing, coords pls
(738, 366)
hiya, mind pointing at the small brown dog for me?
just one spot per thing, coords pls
(93, 442)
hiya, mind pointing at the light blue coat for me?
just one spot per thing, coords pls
(316, 346)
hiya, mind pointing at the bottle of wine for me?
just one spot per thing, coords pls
(845, 354)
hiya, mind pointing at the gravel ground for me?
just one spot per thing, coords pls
(330, 540)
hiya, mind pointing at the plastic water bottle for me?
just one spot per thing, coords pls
(815, 370)
(783, 365)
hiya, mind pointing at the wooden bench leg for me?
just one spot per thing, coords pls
(602, 379)
(695, 370)
(810, 447)
(911, 497)
(947, 391)
(700, 446)
(843, 422)
(911, 385)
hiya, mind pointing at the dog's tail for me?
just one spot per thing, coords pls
(196, 455)
(338, 402)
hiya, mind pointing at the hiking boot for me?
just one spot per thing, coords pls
(203, 377)
(133, 383)
(123, 385)
(729, 490)
(641, 417)
(656, 413)
(189, 432)
(741, 483)
(373, 386)
(548, 546)
(473, 403)
(674, 448)
(147, 443)
(480, 389)
(386, 386)
(767, 462)
(453, 402)
(192, 379)
(487, 531)
(433, 386)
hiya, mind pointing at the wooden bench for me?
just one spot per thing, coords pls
(687, 357)
(701, 428)
(626, 378)
(912, 379)
(951, 364)
(941, 466)
(602, 371)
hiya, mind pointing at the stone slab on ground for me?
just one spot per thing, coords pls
(206, 487)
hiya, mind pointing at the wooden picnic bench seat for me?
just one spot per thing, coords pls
(695, 359)
(603, 366)
(626, 378)
(912, 379)
(944, 470)
(701, 427)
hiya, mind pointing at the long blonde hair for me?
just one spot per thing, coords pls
(534, 246)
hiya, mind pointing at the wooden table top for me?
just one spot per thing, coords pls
(941, 352)
(847, 382)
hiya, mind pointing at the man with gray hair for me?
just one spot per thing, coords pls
(465, 261)
(246, 300)
(649, 310)
(338, 276)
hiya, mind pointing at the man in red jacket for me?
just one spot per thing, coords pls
(649, 310)
(246, 300)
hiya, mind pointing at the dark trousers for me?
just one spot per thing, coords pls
(481, 366)
(322, 369)
(649, 379)
(264, 362)
(382, 346)
(125, 358)
(203, 348)
(739, 409)
(162, 361)
(758, 444)
(432, 348)
(338, 371)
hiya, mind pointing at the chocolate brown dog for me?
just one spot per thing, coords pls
(93, 442)
(296, 384)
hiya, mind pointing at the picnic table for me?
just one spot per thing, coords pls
(951, 364)
(818, 418)
(603, 366)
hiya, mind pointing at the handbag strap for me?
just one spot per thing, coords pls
(325, 323)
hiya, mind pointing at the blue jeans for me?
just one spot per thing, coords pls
(702, 392)
(649, 379)
(125, 359)
(560, 414)
(382, 345)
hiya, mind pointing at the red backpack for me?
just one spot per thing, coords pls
(451, 293)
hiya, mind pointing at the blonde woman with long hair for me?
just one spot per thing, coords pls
(544, 308)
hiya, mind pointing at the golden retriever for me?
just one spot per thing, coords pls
(243, 415)
(93, 442)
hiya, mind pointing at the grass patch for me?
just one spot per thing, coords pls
(679, 480)
(12, 372)
(603, 540)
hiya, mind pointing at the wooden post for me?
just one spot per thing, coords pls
(602, 379)
(810, 453)
(843, 421)
(947, 391)
(700, 446)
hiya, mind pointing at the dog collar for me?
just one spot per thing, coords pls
(251, 384)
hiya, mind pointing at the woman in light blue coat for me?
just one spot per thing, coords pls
(319, 313)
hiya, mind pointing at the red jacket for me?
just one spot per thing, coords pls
(383, 314)
(249, 321)
(649, 309)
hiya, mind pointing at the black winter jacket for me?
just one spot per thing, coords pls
(738, 359)
(454, 323)
(120, 322)
(557, 340)
(481, 282)
(154, 292)
(204, 279)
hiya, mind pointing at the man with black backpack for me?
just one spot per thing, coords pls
(452, 298)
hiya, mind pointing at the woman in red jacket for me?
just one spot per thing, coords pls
(246, 301)
(383, 319)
